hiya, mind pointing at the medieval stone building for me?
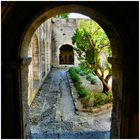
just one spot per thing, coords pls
(62, 47)
(21, 41)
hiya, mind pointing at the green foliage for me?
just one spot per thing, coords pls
(77, 69)
(85, 67)
(93, 81)
(81, 73)
(74, 75)
(99, 99)
(109, 98)
(83, 92)
(89, 76)
(93, 48)
(63, 15)
(88, 98)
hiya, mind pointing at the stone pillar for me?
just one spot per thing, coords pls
(24, 90)
(130, 107)
(46, 57)
(39, 53)
(35, 57)
(117, 89)
(48, 45)
(11, 100)
(43, 58)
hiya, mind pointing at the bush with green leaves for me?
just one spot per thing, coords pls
(89, 76)
(88, 98)
(99, 99)
(74, 75)
(83, 92)
(109, 97)
(81, 73)
(93, 81)
(77, 69)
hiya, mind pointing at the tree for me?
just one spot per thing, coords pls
(63, 15)
(93, 48)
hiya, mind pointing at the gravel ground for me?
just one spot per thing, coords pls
(52, 113)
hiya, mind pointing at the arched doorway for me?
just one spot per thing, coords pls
(66, 56)
(116, 50)
(116, 47)
(15, 63)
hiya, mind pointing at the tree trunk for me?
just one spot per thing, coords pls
(106, 87)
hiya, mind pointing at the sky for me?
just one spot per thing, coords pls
(77, 15)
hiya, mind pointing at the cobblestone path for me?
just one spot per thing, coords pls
(52, 113)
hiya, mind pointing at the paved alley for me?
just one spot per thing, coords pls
(53, 116)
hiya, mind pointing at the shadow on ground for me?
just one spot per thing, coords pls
(73, 135)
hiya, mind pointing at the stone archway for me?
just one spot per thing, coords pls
(66, 56)
(15, 65)
(116, 60)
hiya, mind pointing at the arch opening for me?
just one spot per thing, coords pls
(66, 56)
(104, 23)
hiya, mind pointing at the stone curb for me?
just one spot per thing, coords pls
(78, 105)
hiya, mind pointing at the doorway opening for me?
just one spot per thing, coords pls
(66, 56)
(115, 44)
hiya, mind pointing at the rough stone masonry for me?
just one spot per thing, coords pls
(44, 49)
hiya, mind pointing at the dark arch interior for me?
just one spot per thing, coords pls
(126, 109)
(66, 56)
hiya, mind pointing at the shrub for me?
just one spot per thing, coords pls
(93, 81)
(77, 85)
(74, 75)
(81, 73)
(89, 76)
(88, 99)
(109, 97)
(99, 99)
(77, 69)
(83, 92)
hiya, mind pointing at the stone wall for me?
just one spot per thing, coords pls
(63, 30)
(44, 49)
(40, 52)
